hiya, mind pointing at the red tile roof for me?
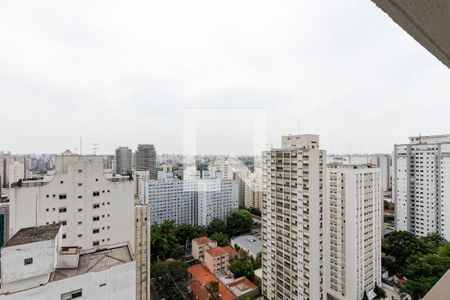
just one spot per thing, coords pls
(202, 240)
(231, 251)
(203, 277)
(218, 251)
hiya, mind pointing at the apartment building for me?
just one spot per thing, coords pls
(142, 250)
(253, 192)
(93, 210)
(217, 198)
(171, 199)
(292, 232)
(200, 245)
(216, 259)
(146, 159)
(35, 266)
(195, 202)
(421, 185)
(353, 231)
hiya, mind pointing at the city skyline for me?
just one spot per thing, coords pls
(332, 71)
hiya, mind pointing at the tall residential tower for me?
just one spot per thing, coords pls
(293, 188)
(421, 184)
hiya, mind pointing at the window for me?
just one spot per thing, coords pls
(62, 196)
(103, 284)
(80, 209)
(95, 194)
(95, 243)
(63, 223)
(79, 197)
(96, 179)
(64, 235)
(80, 235)
(96, 230)
(95, 205)
(80, 171)
(80, 222)
(63, 209)
(28, 261)
(96, 218)
(61, 182)
(80, 184)
(73, 294)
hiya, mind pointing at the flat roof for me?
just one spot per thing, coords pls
(428, 22)
(33, 234)
(95, 261)
(249, 242)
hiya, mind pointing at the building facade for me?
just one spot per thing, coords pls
(420, 185)
(93, 210)
(146, 159)
(35, 266)
(142, 251)
(353, 230)
(123, 161)
(195, 202)
(171, 199)
(292, 232)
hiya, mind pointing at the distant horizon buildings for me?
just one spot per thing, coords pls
(421, 185)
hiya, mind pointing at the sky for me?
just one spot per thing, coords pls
(120, 73)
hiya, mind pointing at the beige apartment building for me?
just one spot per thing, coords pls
(200, 245)
(142, 250)
(292, 232)
(217, 259)
(353, 218)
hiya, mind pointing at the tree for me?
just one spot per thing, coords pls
(239, 222)
(365, 296)
(242, 268)
(185, 233)
(432, 242)
(401, 245)
(379, 292)
(216, 225)
(221, 238)
(170, 277)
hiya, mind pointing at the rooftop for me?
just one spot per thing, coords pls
(202, 240)
(203, 277)
(217, 251)
(33, 235)
(249, 243)
(96, 260)
(230, 250)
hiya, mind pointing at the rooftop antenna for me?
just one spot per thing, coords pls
(94, 147)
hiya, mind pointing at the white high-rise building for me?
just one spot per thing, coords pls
(216, 199)
(353, 218)
(171, 199)
(421, 184)
(292, 232)
(194, 202)
(93, 210)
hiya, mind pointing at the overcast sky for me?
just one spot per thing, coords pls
(122, 73)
